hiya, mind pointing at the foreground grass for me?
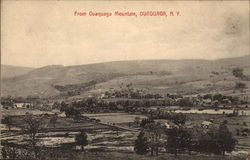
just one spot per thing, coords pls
(76, 155)
(120, 156)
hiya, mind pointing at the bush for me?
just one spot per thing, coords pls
(238, 72)
(240, 85)
(146, 121)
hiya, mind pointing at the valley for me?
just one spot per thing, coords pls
(112, 104)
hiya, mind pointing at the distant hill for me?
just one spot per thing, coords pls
(8, 71)
(187, 76)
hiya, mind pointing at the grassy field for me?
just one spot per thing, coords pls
(22, 111)
(115, 117)
(120, 156)
(76, 155)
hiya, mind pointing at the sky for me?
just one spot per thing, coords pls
(40, 33)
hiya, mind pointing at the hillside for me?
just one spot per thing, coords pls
(8, 71)
(184, 76)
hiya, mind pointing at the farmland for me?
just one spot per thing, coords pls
(100, 136)
(113, 132)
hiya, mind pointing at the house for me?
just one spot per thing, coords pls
(207, 102)
(9, 106)
(189, 125)
(226, 101)
(244, 133)
(102, 96)
(165, 123)
(206, 124)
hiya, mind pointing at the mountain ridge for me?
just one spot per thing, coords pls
(8, 71)
(82, 78)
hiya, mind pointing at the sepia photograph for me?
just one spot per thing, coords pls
(125, 80)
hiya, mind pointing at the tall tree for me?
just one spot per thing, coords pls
(53, 120)
(33, 125)
(178, 139)
(82, 139)
(179, 119)
(141, 144)
(77, 116)
(8, 122)
(217, 141)
(137, 120)
(225, 139)
(154, 130)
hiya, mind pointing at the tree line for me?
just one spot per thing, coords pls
(180, 139)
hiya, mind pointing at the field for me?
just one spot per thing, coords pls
(115, 117)
(114, 132)
(88, 155)
(122, 156)
(101, 136)
(23, 111)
